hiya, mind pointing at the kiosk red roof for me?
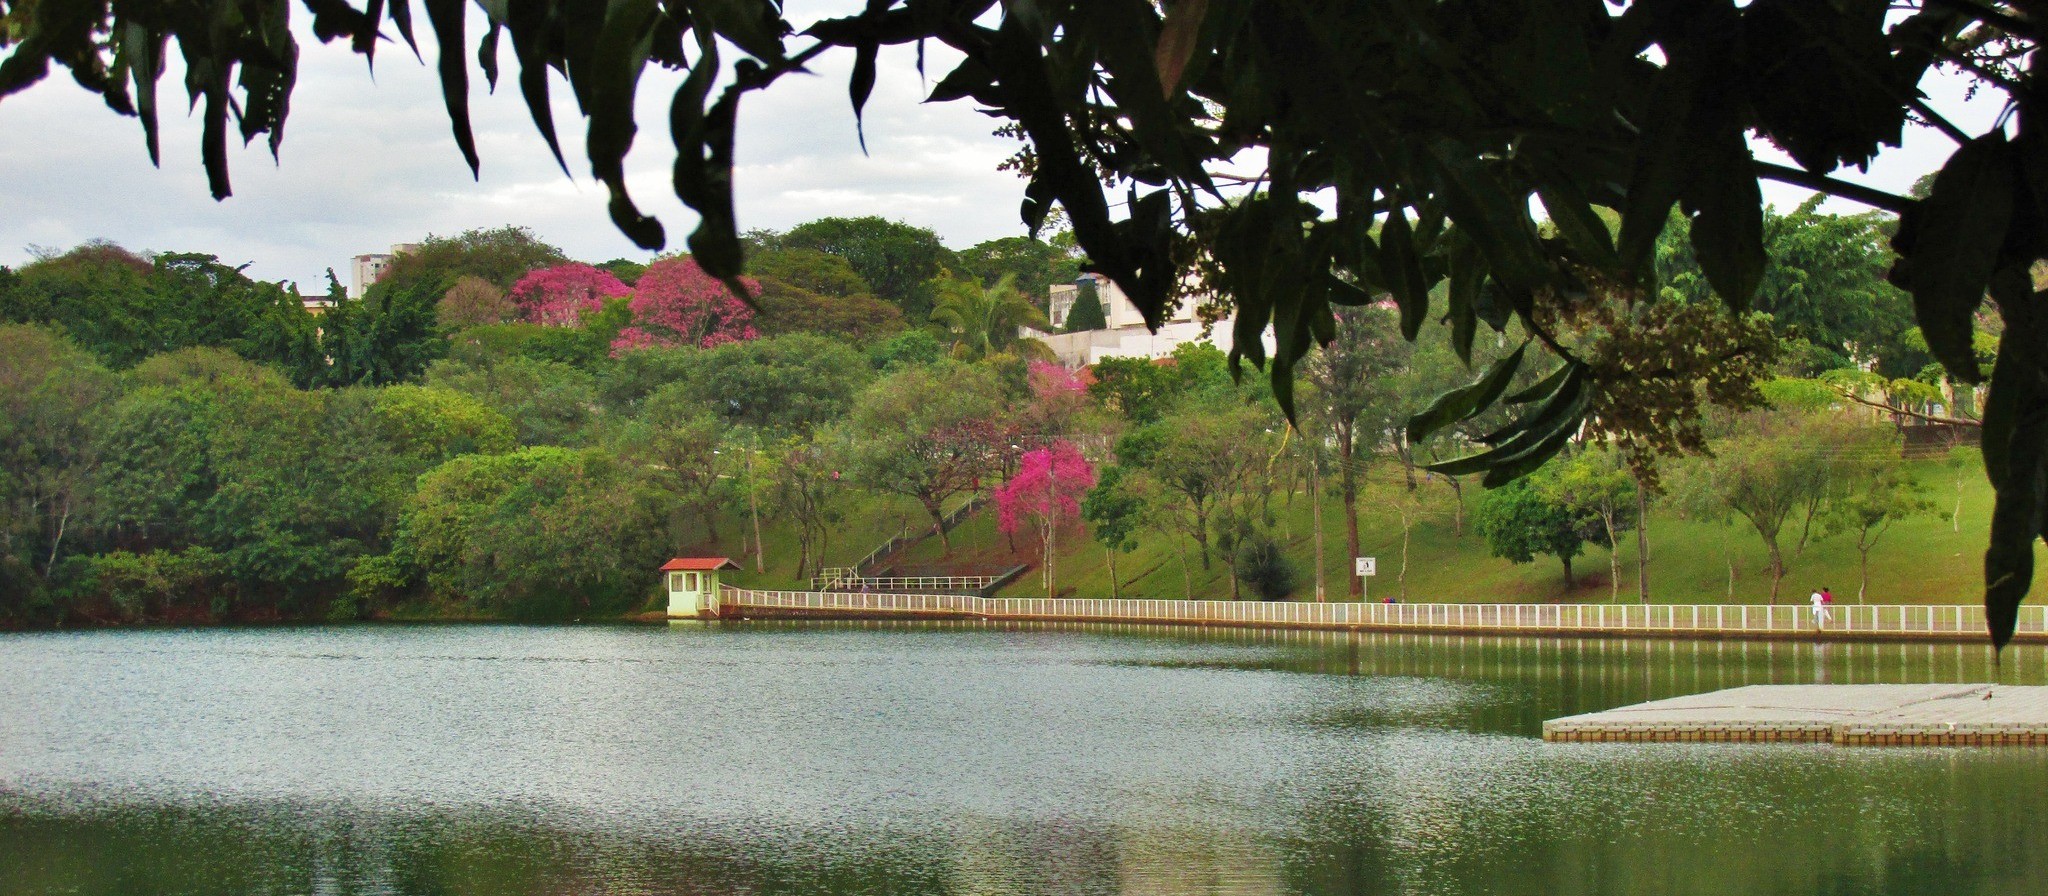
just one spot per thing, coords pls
(692, 564)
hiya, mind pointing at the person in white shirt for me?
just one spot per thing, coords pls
(1820, 610)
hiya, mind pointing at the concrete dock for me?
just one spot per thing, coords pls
(1961, 715)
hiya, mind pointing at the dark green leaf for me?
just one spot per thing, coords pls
(2015, 524)
(1403, 271)
(446, 16)
(1467, 401)
(1728, 225)
(1575, 220)
(860, 86)
(1952, 248)
(1661, 168)
(1543, 387)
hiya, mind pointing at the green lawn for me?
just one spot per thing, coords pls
(1925, 560)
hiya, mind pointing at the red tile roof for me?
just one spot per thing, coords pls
(698, 563)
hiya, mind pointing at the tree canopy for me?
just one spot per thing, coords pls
(1401, 146)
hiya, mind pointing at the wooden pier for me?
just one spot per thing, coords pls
(1958, 715)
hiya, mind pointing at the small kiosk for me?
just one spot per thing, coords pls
(693, 586)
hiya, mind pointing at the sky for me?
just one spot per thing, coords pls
(368, 161)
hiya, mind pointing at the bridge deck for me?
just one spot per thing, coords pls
(1846, 715)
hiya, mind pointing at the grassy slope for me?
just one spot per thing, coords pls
(1919, 561)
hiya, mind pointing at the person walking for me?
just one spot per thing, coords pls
(1820, 609)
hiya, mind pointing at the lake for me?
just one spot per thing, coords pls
(770, 758)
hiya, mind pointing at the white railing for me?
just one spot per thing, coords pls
(834, 579)
(1689, 619)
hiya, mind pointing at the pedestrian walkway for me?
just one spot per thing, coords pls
(1921, 622)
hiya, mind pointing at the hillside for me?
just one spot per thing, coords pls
(1925, 560)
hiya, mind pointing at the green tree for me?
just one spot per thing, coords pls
(473, 302)
(124, 308)
(1033, 265)
(51, 391)
(1596, 484)
(927, 433)
(540, 533)
(1264, 567)
(806, 487)
(223, 454)
(176, 585)
(1824, 280)
(910, 348)
(780, 385)
(390, 335)
(1087, 311)
(896, 260)
(1115, 511)
(1202, 462)
(1874, 502)
(1349, 401)
(1520, 524)
(983, 320)
(548, 402)
(1782, 468)
(676, 442)
(857, 317)
(498, 256)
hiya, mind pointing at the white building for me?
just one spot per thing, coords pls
(368, 268)
(1126, 336)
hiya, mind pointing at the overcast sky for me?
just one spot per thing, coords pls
(370, 162)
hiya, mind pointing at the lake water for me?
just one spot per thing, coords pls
(962, 759)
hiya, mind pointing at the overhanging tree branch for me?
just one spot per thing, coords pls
(1869, 196)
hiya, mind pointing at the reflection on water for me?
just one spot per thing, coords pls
(969, 759)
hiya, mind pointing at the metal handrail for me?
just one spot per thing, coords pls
(1693, 619)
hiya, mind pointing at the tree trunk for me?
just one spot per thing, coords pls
(1613, 558)
(1347, 484)
(1568, 583)
(1457, 506)
(1051, 581)
(56, 541)
(1642, 543)
(754, 504)
(1114, 593)
(931, 509)
(1315, 505)
(1406, 527)
(1202, 536)
(1777, 569)
(1863, 571)
(1187, 580)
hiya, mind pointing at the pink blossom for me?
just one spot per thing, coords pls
(675, 303)
(559, 296)
(1049, 485)
(1048, 380)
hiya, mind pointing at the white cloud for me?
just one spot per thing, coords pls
(367, 162)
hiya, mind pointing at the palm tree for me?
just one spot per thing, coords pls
(984, 320)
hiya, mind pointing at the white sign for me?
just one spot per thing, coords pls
(1367, 566)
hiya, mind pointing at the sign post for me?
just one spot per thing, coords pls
(1365, 568)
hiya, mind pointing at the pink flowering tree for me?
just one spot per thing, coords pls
(559, 296)
(1058, 398)
(675, 303)
(1047, 491)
